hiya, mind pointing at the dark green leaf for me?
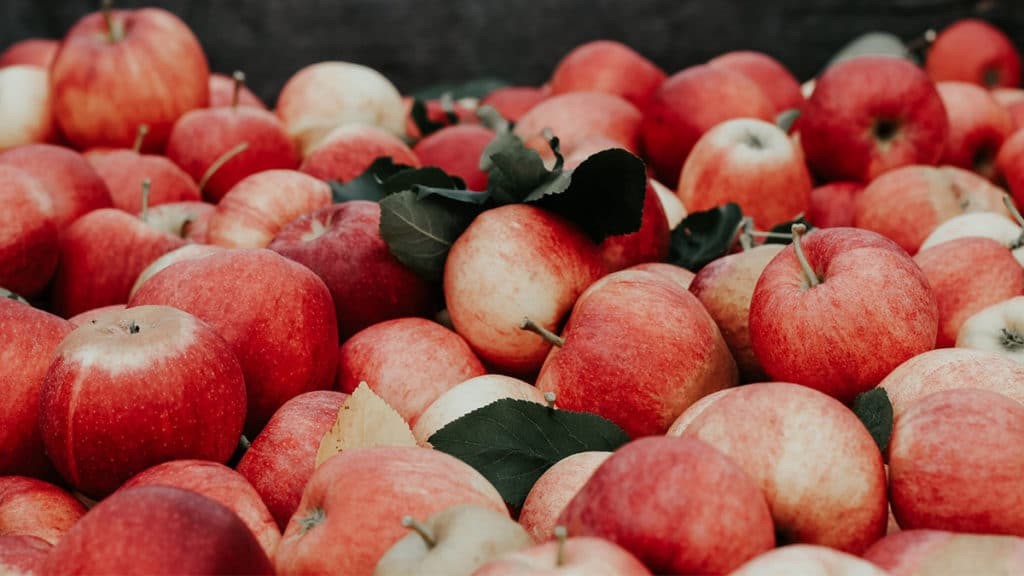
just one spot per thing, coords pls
(369, 184)
(477, 88)
(871, 44)
(421, 118)
(431, 177)
(786, 228)
(704, 236)
(5, 293)
(513, 170)
(786, 118)
(875, 410)
(419, 232)
(467, 196)
(513, 442)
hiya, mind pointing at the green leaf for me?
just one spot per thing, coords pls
(871, 44)
(704, 236)
(786, 228)
(369, 184)
(467, 196)
(513, 442)
(875, 410)
(5, 293)
(513, 170)
(420, 231)
(786, 118)
(431, 177)
(477, 88)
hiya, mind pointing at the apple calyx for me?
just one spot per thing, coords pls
(220, 162)
(133, 327)
(115, 33)
(315, 518)
(140, 137)
(1011, 340)
(146, 185)
(551, 337)
(798, 231)
(562, 535)
(239, 78)
(421, 529)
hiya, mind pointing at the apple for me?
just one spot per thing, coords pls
(920, 552)
(225, 92)
(677, 274)
(454, 541)
(971, 50)
(276, 315)
(679, 505)
(1010, 165)
(123, 171)
(512, 102)
(999, 328)
(347, 531)
(90, 315)
(369, 285)
(979, 224)
(575, 117)
(808, 559)
(978, 125)
(777, 83)
(828, 285)
(673, 356)
(118, 69)
(440, 112)
(651, 243)
(186, 252)
(582, 556)
(514, 261)
(323, 96)
(31, 507)
(553, 491)
(955, 463)
(281, 458)
(1013, 100)
(348, 150)
(818, 466)
(688, 104)
(221, 484)
(187, 220)
(28, 234)
(22, 555)
(26, 116)
(158, 530)
(457, 150)
(37, 52)
(966, 276)
(834, 204)
(881, 112)
(752, 163)
(607, 66)
(470, 395)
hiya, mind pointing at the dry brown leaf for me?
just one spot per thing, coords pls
(364, 420)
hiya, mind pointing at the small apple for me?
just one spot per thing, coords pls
(978, 126)
(834, 204)
(971, 50)
(226, 92)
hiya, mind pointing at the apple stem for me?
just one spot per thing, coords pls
(541, 331)
(418, 527)
(775, 235)
(562, 536)
(140, 137)
(549, 397)
(556, 148)
(107, 7)
(220, 162)
(925, 40)
(1012, 208)
(798, 231)
(239, 78)
(146, 185)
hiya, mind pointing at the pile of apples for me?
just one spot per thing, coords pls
(211, 364)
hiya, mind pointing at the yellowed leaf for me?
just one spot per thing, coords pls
(364, 420)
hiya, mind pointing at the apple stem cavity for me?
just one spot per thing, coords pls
(146, 185)
(220, 162)
(1011, 340)
(239, 78)
(140, 137)
(315, 518)
(419, 528)
(550, 397)
(114, 34)
(133, 327)
(798, 231)
(541, 331)
(562, 535)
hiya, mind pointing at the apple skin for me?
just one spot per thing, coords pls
(882, 112)
(651, 243)
(457, 150)
(276, 315)
(26, 116)
(513, 102)
(73, 185)
(323, 96)
(258, 207)
(725, 287)
(808, 559)
(103, 91)
(677, 274)
(908, 203)
(607, 66)
(691, 511)
(1010, 165)
(31, 507)
(972, 50)
(468, 396)
(22, 555)
(801, 334)
(777, 83)
(575, 117)
(187, 220)
(966, 276)
(222, 94)
(998, 328)
(37, 52)
(675, 211)
(921, 552)
(124, 170)
(369, 285)
(158, 530)
(281, 458)
(347, 531)
(202, 137)
(544, 263)
(135, 388)
(582, 556)
(101, 255)
(29, 248)
(674, 356)
(979, 224)
(833, 205)
(752, 163)
(348, 150)
(978, 126)
(408, 362)
(688, 104)
(955, 463)
(186, 252)
(796, 443)
(221, 484)
(554, 490)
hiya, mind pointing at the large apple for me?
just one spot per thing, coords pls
(978, 125)
(607, 66)
(582, 556)
(777, 83)
(28, 234)
(468, 396)
(553, 491)
(999, 328)
(972, 50)
(31, 507)
(26, 116)
(923, 552)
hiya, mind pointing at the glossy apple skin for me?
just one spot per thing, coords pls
(1010, 165)
(919, 552)
(457, 150)
(955, 463)
(575, 117)
(972, 50)
(833, 205)
(21, 554)
(674, 356)
(688, 104)
(818, 466)
(554, 490)
(276, 315)
(514, 101)
(222, 94)
(978, 126)
(281, 458)
(26, 116)
(777, 83)
(607, 66)
(29, 247)
(115, 402)
(73, 185)
(158, 530)
(221, 484)
(124, 170)
(468, 396)
(997, 328)
(545, 263)
(37, 52)
(808, 559)
(967, 275)
(347, 151)
(347, 531)
(369, 285)
(582, 556)
(851, 98)
(691, 511)
(801, 334)
(31, 507)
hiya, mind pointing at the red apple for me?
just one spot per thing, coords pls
(26, 116)
(833, 205)
(514, 101)
(37, 52)
(1013, 100)
(843, 281)
(607, 66)
(90, 315)
(187, 220)
(777, 83)
(553, 491)
(972, 50)
(30, 507)
(651, 243)
(225, 92)
(581, 556)
(808, 559)
(28, 233)
(22, 555)
(463, 109)
(457, 150)
(124, 170)
(1010, 165)
(468, 396)
(881, 112)
(575, 117)
(978, 125)
(999, 328)
(347, 151)
(186, 252)
(920, 552)
(677, 274)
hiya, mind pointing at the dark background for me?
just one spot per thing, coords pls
(424, 42)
